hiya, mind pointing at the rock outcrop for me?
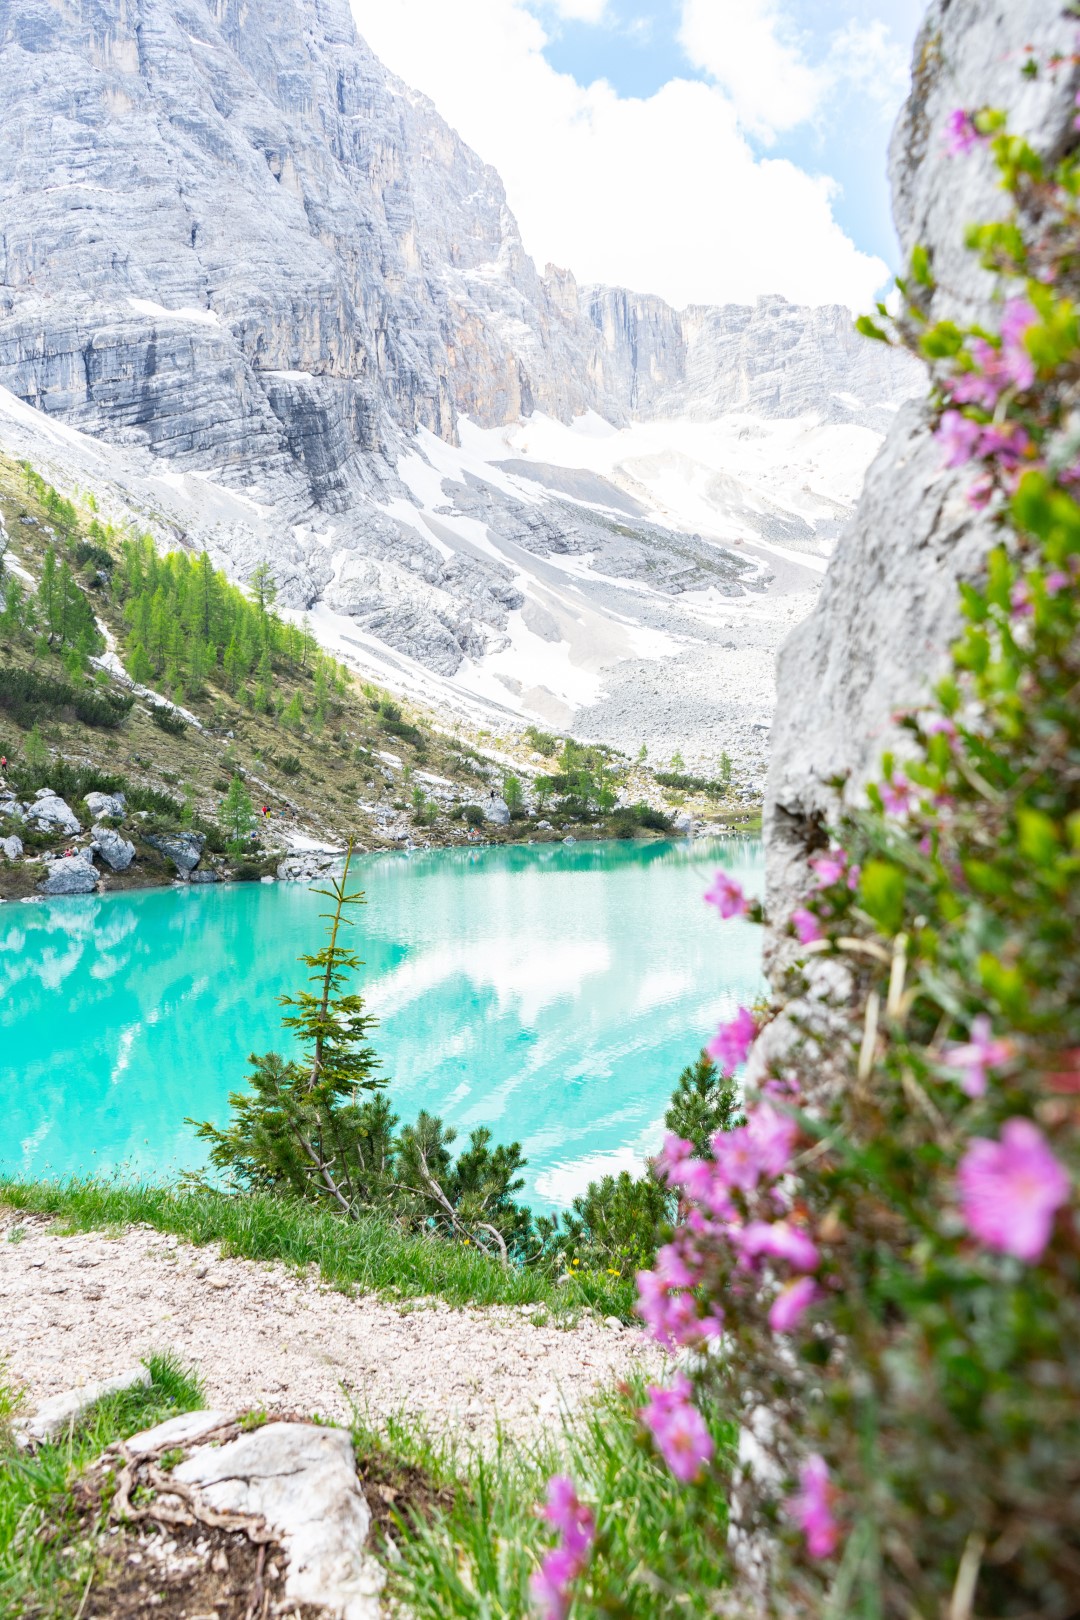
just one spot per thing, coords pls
(49, 813)
(72, 874)
(116, 852)
(183, 849)
(317, 272)
(889, 608)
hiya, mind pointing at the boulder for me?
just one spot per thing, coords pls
(56, 1414)
(497, 811)
(72, 874)
(116, 852)
(11, 848)
(305, 865)
(302, 1481)
(183, 849)
(684, 823)
(102, 805)
(49, 813)
(207, 876)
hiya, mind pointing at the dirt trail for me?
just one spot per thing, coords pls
(77, 1307)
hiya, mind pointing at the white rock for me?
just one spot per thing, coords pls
(101, 805)
(177, 1431)
(117, 852)
(11, 848)
(55, 1414)
(49, 813)
(302, 1480)
(72, 874)
(497, 811)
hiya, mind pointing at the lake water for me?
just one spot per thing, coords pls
(552, 993)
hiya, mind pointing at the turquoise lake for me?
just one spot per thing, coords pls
(552, 993)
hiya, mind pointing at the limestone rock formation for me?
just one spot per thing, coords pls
(238, 251)
(50, 813)
(889, 608)
(116, 852)
(72, 874)
(183, 849)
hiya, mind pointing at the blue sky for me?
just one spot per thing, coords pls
(636, 47)
(710, 151)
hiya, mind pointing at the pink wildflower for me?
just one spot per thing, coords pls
(732, 1041)
(778, 1241)
(971, 1059)
(678, 1428)
(980, 492)
(1010, 1190)
(674, 1154)
(773, 1135)
(959, 437)
(960, 135)
(830, 868)
(738, 1161)
(727, 896)
(811, 1508)
(1020, 603)
(939, 725)
(1007, 442)
(807, 927)
(1056, 582)
(896, 794)
(1015, 358)
(576, 1525)
(791, 1304)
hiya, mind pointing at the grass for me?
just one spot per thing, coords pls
(369, 1255)
(662, 1546)
(46, 1553)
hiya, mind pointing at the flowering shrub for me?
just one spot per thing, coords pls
(885, 1289)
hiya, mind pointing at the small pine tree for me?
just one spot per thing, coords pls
(237, 815)
(139, 666)
(293, 713)
(37, 755)
(704, 1101)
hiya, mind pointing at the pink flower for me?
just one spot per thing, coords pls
(577, 1529)
(674, 1154)
(1055, 582)
(1016, 360)
(678, 1428)
(960, 135)
(778, 1241)
(896, 794)
(773, 1135)
(738, 1161)
(971, 1059)
(980, 492)
(727, 896)
(807, 927)
(939, 725)
(1020, 601)
(1007, 442)
(1011, 1190)
(959, 437)
(667, 1308)
(811, 1508)
(732, 1041)
(791, 1304)
(830, 868)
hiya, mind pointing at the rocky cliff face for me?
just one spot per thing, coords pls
(235, 248)
(888, 610)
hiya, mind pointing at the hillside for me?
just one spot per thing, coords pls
(125, 671)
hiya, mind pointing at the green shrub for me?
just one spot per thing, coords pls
(168, 720)
(289, 765)
(474, 815)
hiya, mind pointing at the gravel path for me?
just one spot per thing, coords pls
(74, 1308)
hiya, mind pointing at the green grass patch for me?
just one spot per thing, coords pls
(46, 1543)
(369, 1255)
(470, 1553)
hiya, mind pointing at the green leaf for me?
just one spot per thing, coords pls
(920, 266)
(1039, 839)
(870, 329)
(881, 892)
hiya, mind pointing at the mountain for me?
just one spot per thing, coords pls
(269, 277)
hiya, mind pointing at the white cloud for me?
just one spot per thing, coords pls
(867, 56)
(747, 46)
(588, 11)
(663, 195)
